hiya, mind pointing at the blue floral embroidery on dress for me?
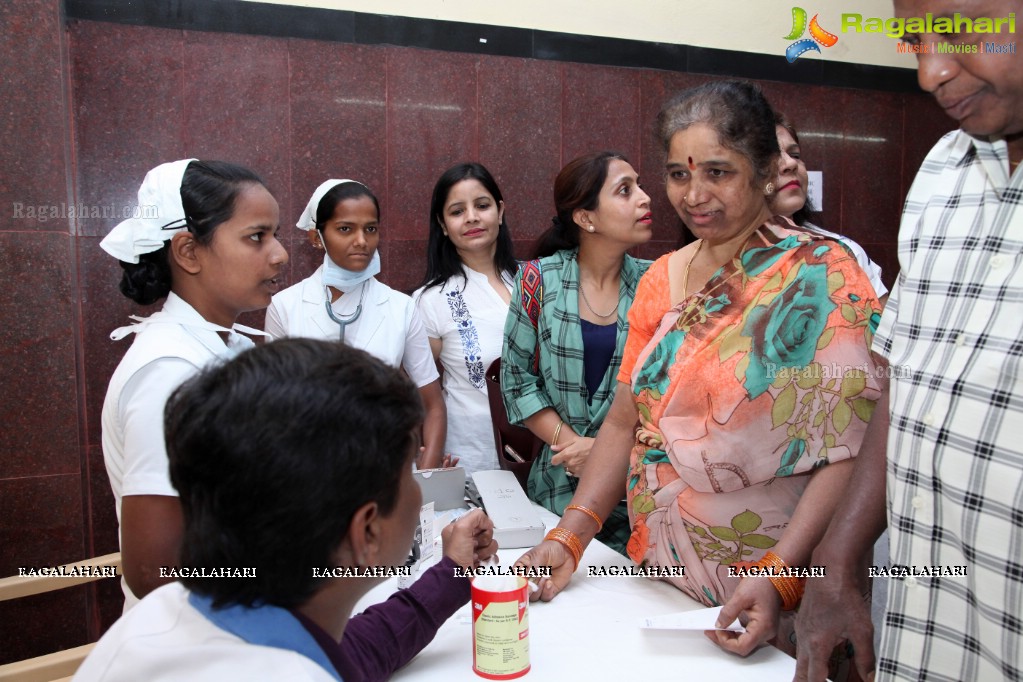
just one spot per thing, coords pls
(470, 340)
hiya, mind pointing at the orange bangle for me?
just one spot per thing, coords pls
(790, 588)
(589, 512)
(569, 540)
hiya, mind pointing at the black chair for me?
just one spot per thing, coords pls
(519, 438)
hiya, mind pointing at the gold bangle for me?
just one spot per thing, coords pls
(569, 540)
(589, 512)
(557, 432)
(790, 588)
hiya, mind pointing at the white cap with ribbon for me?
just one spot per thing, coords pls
(159, 215)
(307, 221)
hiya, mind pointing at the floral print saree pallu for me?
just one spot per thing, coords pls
(746, 387)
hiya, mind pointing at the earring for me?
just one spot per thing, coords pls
(591, 228)
(769, 190)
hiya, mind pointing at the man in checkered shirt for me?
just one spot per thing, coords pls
(949, 441)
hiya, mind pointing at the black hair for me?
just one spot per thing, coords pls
(442, 260)
(209, 190)
(807, 214)
(337, 194)
(737, 110)
(273, 452)
(577, 186)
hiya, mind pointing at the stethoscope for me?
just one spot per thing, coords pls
(343, 322)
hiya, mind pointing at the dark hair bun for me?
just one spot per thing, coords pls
(149, 280)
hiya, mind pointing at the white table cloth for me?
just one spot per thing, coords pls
(591, 631)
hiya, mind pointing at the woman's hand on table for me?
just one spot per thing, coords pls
(561, 563)
(469, 540)
(757, 604)
(572, 455)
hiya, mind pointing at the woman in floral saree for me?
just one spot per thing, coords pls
(746, 383)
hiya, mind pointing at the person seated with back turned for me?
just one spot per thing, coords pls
(290, 460)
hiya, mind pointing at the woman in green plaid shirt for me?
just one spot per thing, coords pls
(559, 374)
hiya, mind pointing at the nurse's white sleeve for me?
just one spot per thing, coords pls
(141, 411)
(417, 360)
(274, 326)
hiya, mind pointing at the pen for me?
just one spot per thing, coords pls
(516, 457)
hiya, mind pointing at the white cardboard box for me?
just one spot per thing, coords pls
(516, 523)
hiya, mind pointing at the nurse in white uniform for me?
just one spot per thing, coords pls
(343, 300)
(464, 302)
(210, 249)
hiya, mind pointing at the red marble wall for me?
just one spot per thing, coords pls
(89, 107)
(43, 461)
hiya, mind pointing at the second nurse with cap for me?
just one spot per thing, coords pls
(343, 300)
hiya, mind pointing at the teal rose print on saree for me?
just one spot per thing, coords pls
(794, 452)
(755, 261)
(654, 375)
(785, 331)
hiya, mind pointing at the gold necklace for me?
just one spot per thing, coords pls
(685, 277)
(587, 301)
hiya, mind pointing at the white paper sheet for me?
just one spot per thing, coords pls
(700, 619)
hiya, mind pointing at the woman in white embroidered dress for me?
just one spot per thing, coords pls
(464, 301)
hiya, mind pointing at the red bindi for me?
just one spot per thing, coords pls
(692, 166)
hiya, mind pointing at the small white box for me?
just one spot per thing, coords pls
(516, 523)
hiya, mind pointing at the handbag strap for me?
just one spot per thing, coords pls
(532, 301)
